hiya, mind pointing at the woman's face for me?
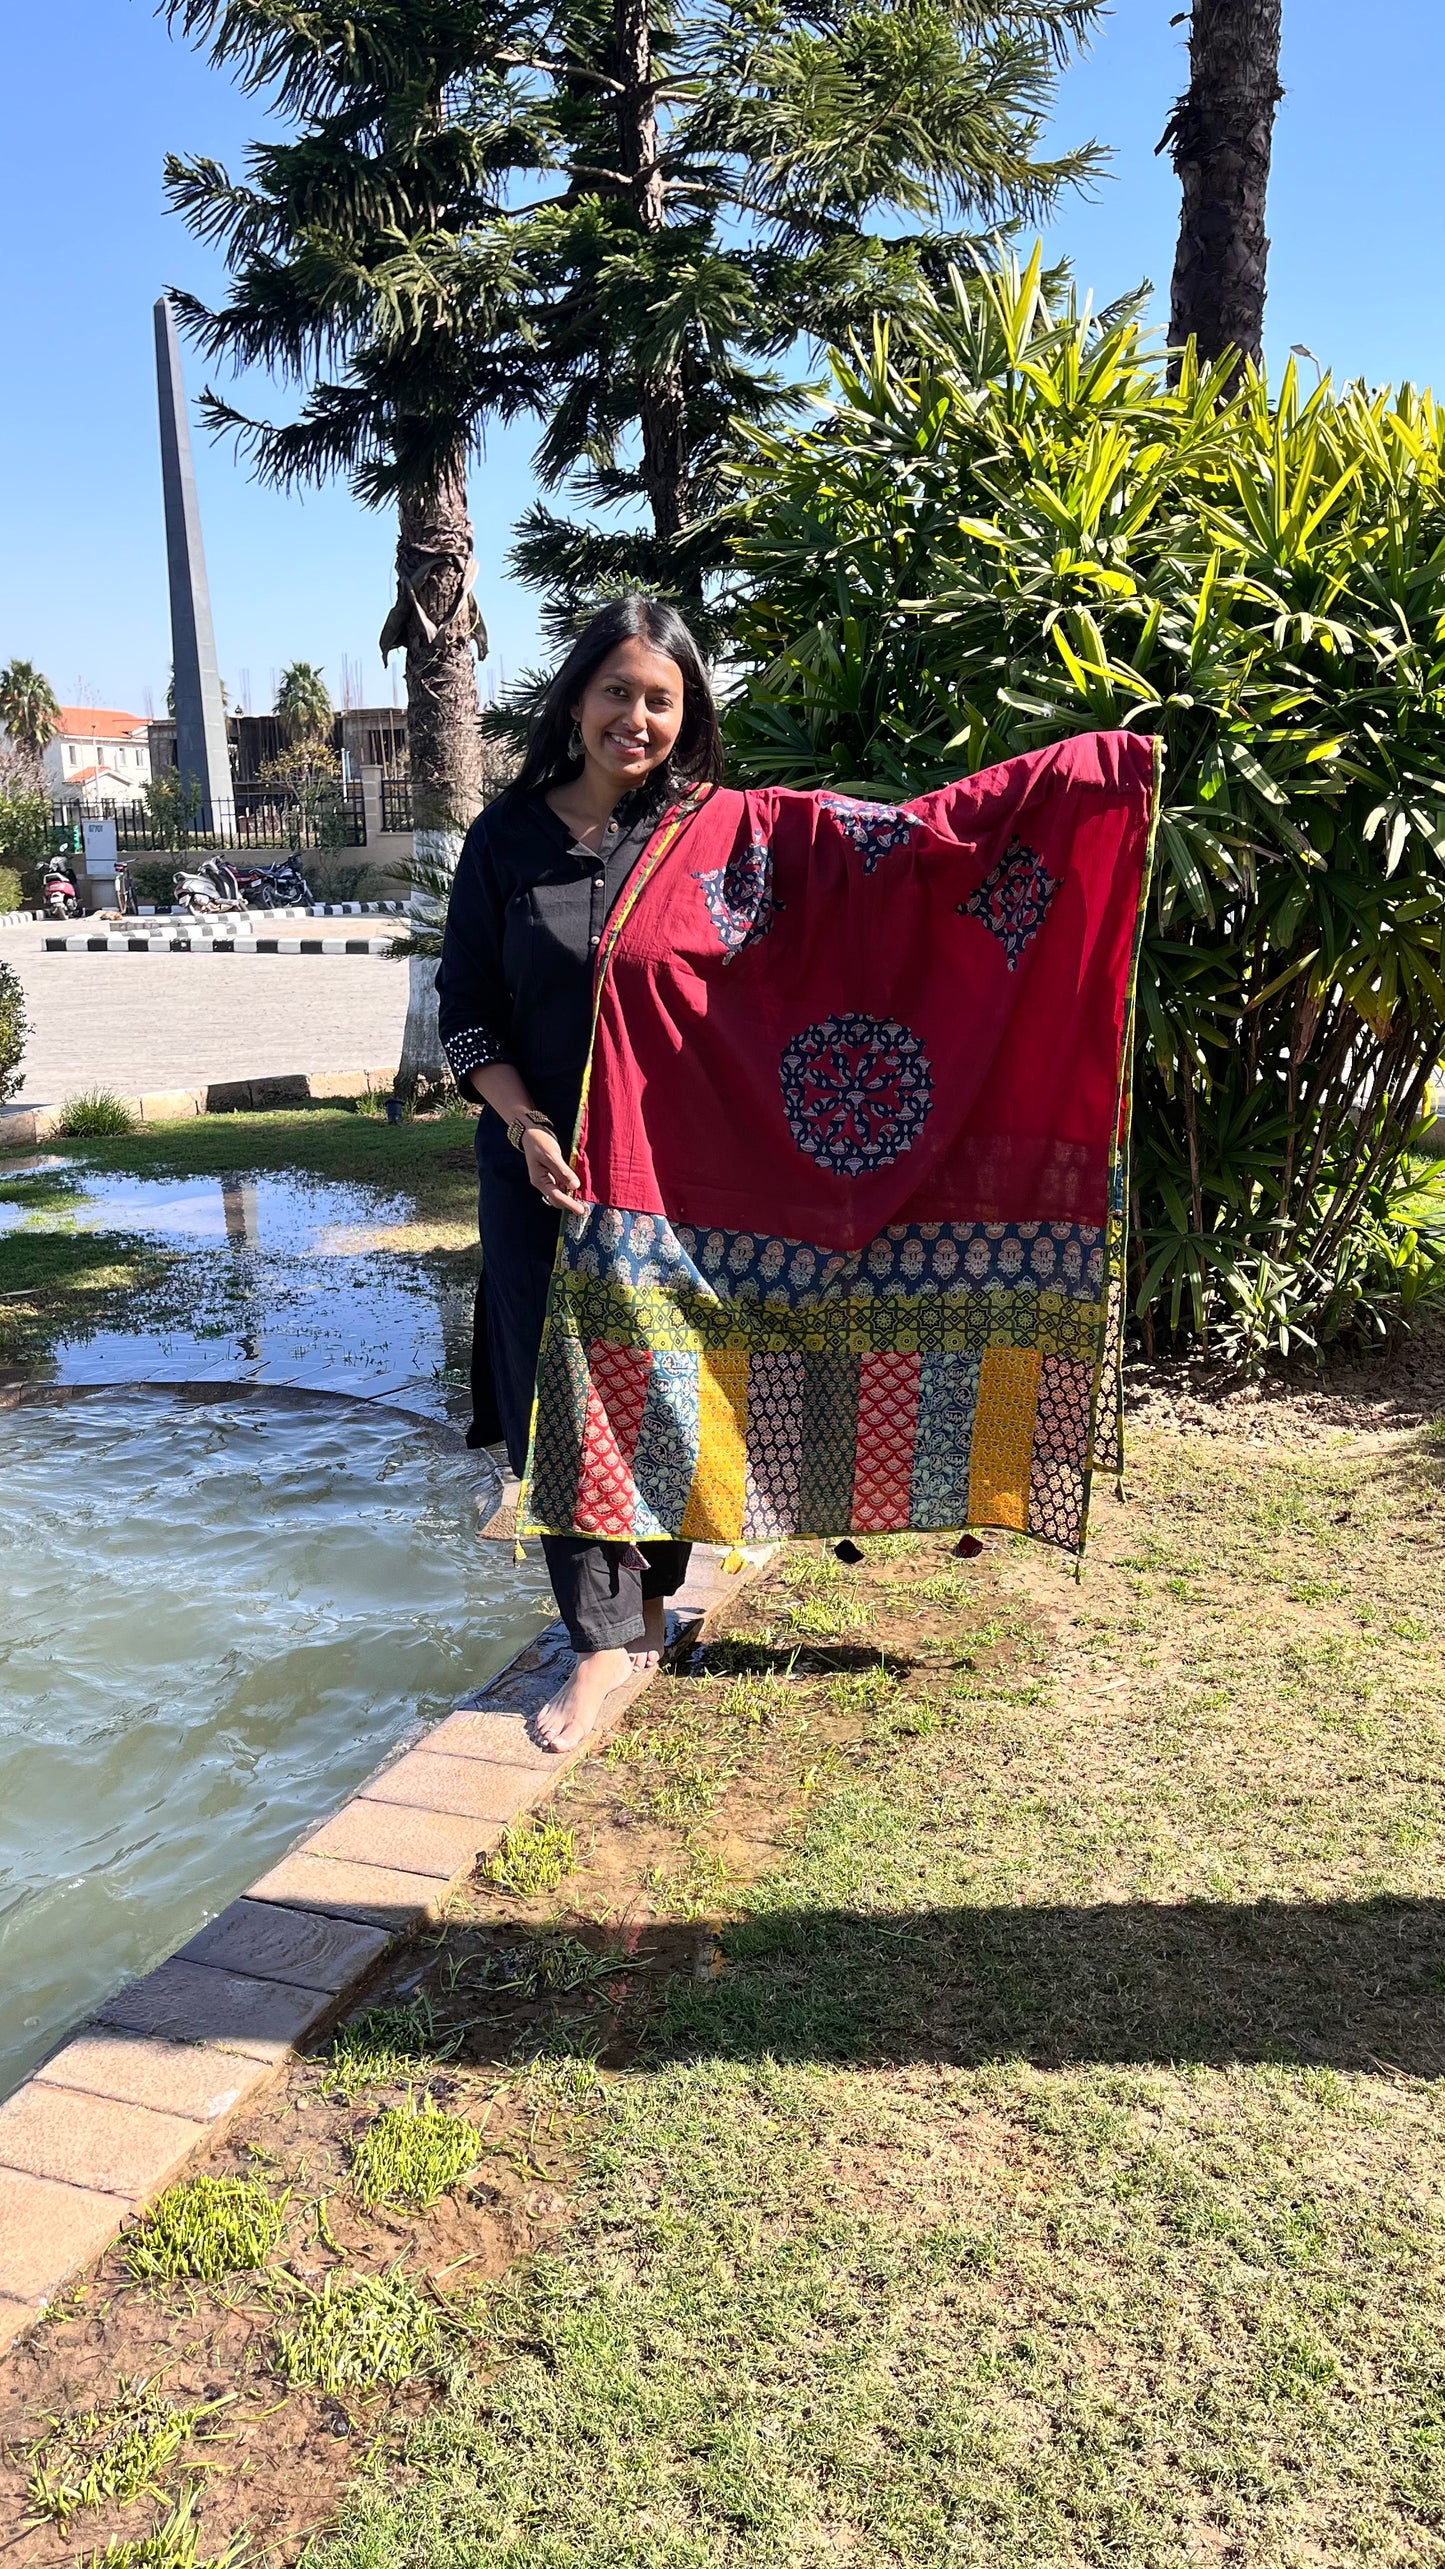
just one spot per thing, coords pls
(630, 713)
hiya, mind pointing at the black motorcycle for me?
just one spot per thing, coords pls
(273, 887)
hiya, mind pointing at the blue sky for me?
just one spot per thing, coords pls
(97, 90)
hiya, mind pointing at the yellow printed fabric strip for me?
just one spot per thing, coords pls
(1003, 1437)
(714, 1511)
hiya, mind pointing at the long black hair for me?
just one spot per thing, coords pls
(696, 754)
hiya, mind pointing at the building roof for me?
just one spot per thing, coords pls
(96, 722)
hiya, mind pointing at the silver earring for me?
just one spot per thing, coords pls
(576, 745)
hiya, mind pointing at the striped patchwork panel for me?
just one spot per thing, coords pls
(721, 1388)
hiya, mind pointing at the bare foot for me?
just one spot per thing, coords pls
(647, 1652)
(567, 1719)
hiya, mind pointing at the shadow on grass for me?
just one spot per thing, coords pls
(1349, 1985)
(729, 1658)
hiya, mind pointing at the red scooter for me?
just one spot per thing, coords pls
(61, 894)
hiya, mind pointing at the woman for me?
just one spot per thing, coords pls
(626, 724)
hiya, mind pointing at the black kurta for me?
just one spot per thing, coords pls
(528, 908)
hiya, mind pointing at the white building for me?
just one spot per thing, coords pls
(98, 757)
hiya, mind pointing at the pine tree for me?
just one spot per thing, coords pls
(368, 266)
(746, 182)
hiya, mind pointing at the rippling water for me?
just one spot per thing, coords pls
(217, 1617)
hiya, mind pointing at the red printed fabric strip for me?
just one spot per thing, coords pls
(887, 1433)
(616, 1399)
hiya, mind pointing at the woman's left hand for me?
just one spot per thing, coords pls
(550, 1172)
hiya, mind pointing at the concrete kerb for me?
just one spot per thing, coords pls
(125, 2104)
(22, 1128)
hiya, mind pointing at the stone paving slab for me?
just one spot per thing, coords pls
(187, 2003)
(47, 2231)
(122, 2107)
(474, 1788)
(96, 2141)
(402, 1837)
(266, 1943)
(375, 1894)
(176, 2078)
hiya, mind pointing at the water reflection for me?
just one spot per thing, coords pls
(273, 1274)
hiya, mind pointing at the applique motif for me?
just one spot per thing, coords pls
(856, 1092)
(1013, 901)
(876, 829)
(739, 896)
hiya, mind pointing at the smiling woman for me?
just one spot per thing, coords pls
(626, 726)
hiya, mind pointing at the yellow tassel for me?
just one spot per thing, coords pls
(733, 1562)
(519, 1551)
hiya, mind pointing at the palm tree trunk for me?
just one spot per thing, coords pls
(1219, 137)
(435, 620)
(662, 397)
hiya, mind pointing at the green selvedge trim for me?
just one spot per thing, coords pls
(1116, 1226)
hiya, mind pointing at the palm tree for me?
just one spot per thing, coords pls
(1219, 137)
(368, 261)
(27, 707)
(303, 705)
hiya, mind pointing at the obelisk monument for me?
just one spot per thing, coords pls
(202, 757)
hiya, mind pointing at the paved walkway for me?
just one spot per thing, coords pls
(138, 1022)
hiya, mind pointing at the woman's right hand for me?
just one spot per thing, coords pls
(550, 1172)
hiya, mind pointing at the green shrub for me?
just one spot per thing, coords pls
(12, 892)
(95, 1115)
(24, 830)
(1012, 529)
(14, 1027)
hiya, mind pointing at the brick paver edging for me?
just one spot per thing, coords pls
(126, 2103)
(22, 1127)
(186, 941)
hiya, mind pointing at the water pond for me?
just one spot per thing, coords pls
(219, 1614)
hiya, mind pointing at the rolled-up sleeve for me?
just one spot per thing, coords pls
(474, 1010)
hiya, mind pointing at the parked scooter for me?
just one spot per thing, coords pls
(273, 887)
(207, 886)
(61, 895)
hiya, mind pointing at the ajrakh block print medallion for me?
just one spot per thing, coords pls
(875, 829)
(725, 1387)
(1012, 901)
(739, 897)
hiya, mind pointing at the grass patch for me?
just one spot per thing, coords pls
(384, 2046)
(58, 1283)
(534, 1857)
(107, 2456)
(96, 1115)
(207, 2227)
(413, 2155)
(171, 2545)
(361, 2331)
(1050, 2175)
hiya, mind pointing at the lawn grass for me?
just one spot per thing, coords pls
(1050, 2170)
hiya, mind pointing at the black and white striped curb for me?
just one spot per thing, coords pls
(216, 923)
(185, 941)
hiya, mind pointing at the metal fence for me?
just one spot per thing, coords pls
(396, 803)
(251, 821)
